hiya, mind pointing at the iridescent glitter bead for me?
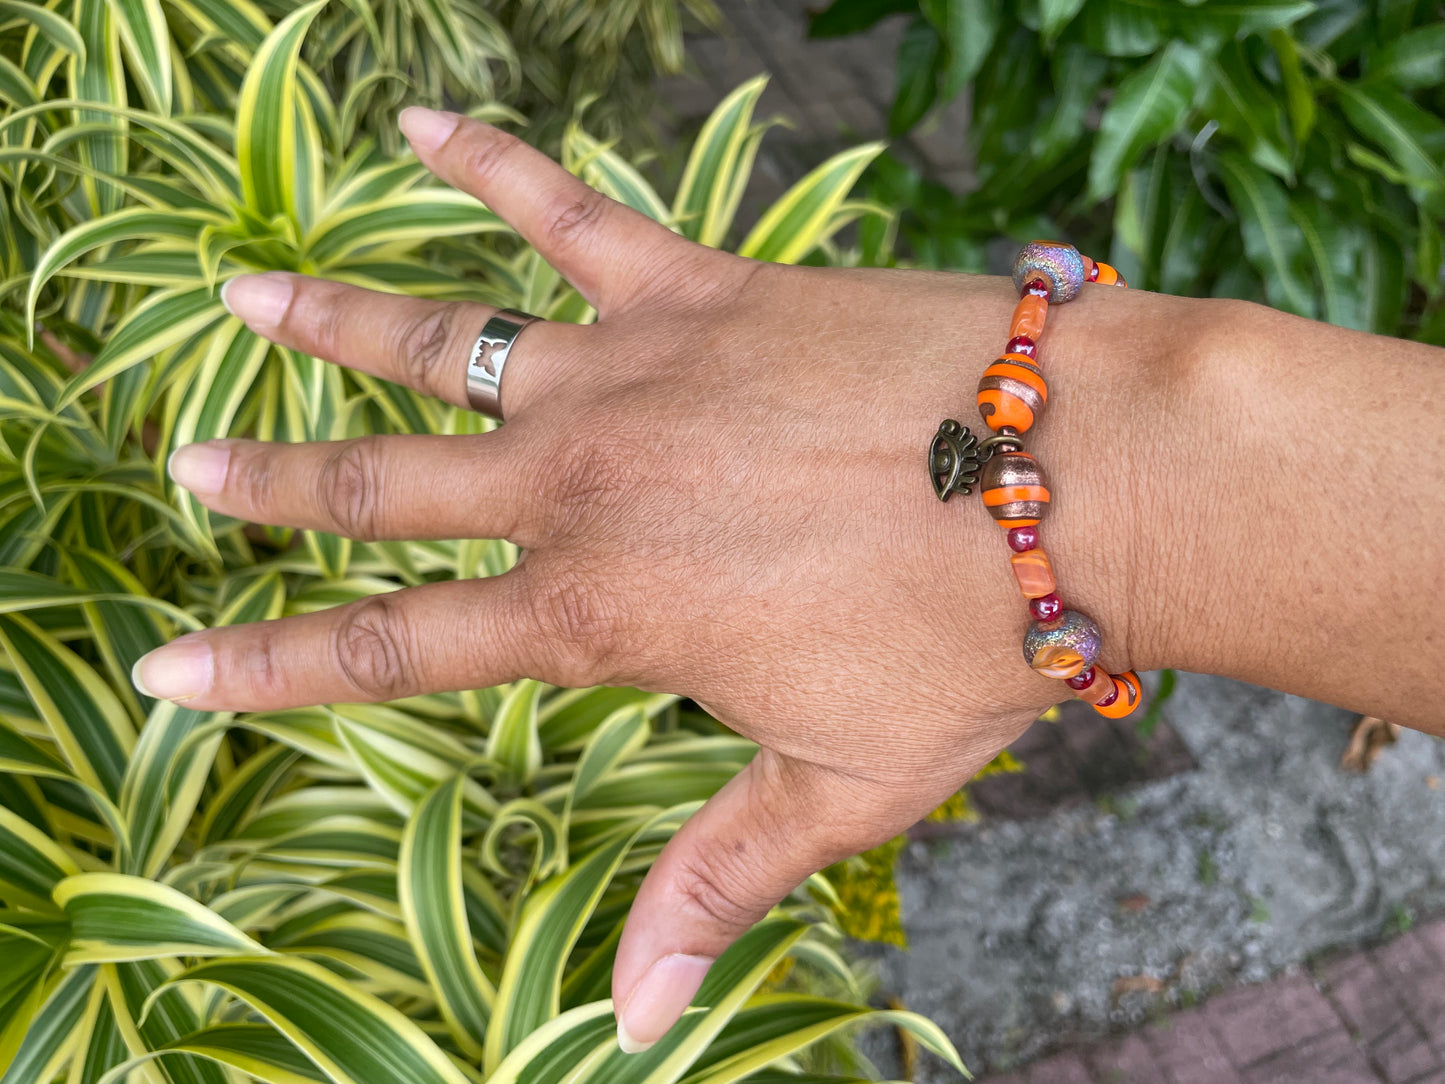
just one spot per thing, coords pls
(1063, 647)
(1061, 265)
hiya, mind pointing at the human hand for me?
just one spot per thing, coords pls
(720, 490)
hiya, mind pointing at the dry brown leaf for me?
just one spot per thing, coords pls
(1367, 739)
(1137, 984)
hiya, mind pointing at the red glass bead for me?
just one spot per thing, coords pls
(1037, 287)
(1023, 539)
(1113, 695)
(1046, 608)
(1093, 272)
(1081, 680)
(1020, 344)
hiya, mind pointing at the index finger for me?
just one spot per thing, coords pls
(609, 251)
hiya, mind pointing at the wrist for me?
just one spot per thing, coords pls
(1122, 439)
(1109, 358)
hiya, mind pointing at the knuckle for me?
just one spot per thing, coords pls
(580, 630)
(715, 897)
(574, 217)
(349, 488)
(257, 667)
(591, 469)
(327, 324)
(485, 152)
(371, 648)
(250, 481)
(426, 343)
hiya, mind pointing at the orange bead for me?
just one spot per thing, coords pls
(1012, 393)
(1015, 489)
(1096, 690)
(1107, 275)
(1034, 573)
(1131, 695)
(1088, 269)
(1028, 318)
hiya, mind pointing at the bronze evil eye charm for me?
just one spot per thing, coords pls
(953, 460)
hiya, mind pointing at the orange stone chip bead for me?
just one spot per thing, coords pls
(1096, 690)
(1034, 573)
(1028, 318)
(1131, 695)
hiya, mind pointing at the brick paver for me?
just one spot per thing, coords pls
(1376, 1016)
(1256, 1022)
(1188, 1051)
(1063, 1069)
(1127, 1061)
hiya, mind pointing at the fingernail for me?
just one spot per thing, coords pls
(201, 468)
(659, 998)
(260, 300)
(427, 129)
(179, 671)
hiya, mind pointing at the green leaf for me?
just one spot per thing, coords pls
(854, 16)
(1414, 60)
(114, 917)
(1333, 248)
(266, 118)
(407, 218)
(1247, 111)
(970, 30)
(708, 194)
(1299, 94)
(1055, 15)
(1272, 241)
(1413, 138)
(1150, 105)
(164, 319)
(147, 40)
(551, 920)
(256, 1050)
(53, 1033)
(85, 720)
(918, 70)
(353, 1037)
(800, 221)
(429, 880)
(608, 172)
(54, 27)
(31, 864)
(167, 771)
(514, 742)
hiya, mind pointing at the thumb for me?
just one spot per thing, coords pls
(772, 826)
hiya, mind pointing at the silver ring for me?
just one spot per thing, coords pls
(489, 356)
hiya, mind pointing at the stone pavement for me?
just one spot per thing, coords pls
(1372, 1017)
(833, 94)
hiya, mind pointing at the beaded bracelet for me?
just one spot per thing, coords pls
(1060, 643)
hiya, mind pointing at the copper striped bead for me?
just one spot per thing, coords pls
(1012, 393)
(1015, 489)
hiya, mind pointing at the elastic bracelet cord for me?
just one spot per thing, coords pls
(1063, 644)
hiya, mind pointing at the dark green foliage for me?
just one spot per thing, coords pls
(1286, 151)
